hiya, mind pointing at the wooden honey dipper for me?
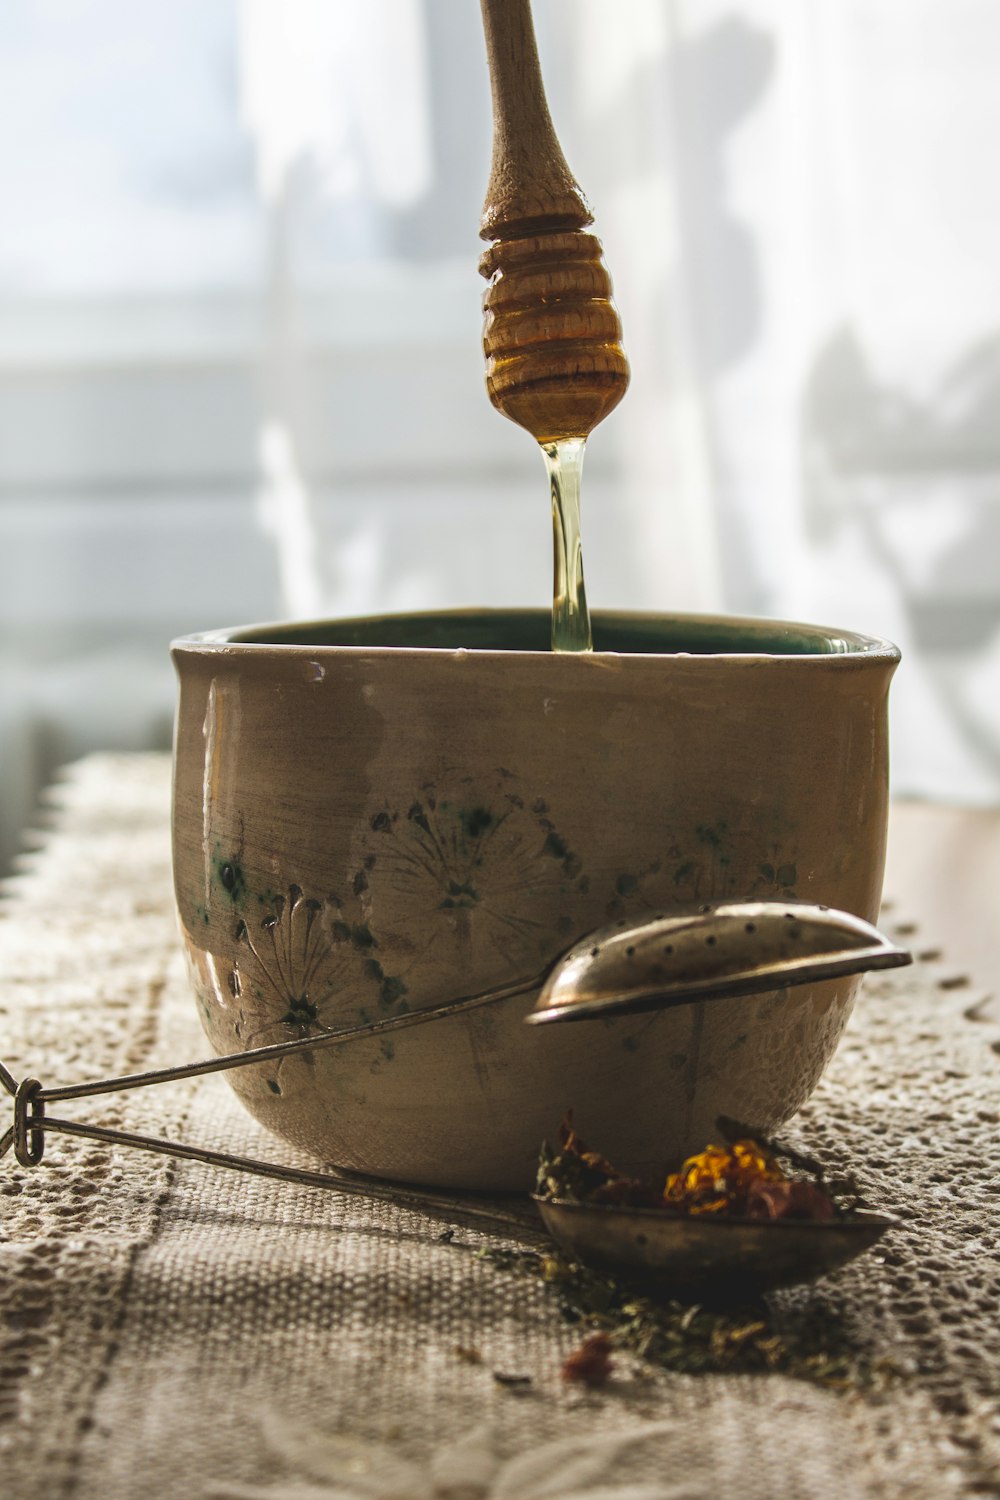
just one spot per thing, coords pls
(551, 335)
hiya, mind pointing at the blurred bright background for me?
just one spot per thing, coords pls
(240, 374)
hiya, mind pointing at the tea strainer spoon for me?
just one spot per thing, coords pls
(660, 962)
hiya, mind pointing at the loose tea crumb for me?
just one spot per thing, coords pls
(467, 1354)
(696, 1340)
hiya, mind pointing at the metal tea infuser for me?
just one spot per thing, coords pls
(662, 962)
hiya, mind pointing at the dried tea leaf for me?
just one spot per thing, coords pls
(574, 1171)
(696, 1340)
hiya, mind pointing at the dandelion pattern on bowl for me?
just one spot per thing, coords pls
(456, 866)
(299, 965)
(462, 861)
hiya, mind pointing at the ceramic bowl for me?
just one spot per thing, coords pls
(381, 814)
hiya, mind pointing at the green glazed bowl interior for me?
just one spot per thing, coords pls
(527, 630)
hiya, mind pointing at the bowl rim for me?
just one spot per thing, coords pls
(242, 641)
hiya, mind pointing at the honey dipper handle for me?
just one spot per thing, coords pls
(531, 188)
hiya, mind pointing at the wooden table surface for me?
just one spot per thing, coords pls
(943, 873)
(188, 1333)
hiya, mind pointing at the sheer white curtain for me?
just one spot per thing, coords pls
(239, 337)
(799, 206)
(803, 208)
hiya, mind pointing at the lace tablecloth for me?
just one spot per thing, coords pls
(180, 1331)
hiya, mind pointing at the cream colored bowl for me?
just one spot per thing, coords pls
(372, 815)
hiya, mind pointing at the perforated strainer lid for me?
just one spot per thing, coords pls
(731, 949)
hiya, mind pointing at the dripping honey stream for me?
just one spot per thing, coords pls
(570, 615)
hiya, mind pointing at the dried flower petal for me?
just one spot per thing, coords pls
(789, 1200)
(720, 1179)
(591, 1364)
(740, 1180)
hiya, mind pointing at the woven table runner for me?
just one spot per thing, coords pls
(176, 1330)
